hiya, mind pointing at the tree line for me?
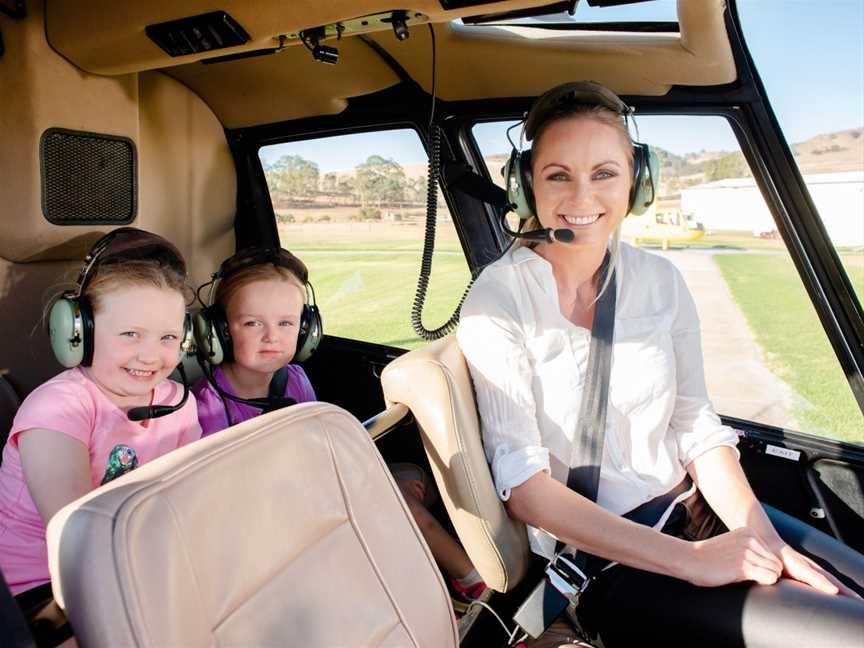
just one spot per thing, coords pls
(377, 182)
(381, 182)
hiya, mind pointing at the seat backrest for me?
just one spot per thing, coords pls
(284, 530)
(434, 383)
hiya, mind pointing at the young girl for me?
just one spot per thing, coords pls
(121, 333)
(253, 323)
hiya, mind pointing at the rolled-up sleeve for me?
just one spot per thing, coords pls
(694, 421)
(492, 342)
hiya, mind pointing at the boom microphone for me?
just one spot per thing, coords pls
(547, 235)
(273, 401)
(460, 177)
(156, 411)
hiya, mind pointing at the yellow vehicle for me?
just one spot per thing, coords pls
(667, 227)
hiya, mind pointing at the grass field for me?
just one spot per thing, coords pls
(365, 278)
(853, 261)
(772, 298)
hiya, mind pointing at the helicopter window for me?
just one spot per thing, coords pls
(767, 358)
(353, 207)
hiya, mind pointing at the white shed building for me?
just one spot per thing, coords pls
(737, 204)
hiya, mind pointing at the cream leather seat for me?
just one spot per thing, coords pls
(286, 530)
(434, 383)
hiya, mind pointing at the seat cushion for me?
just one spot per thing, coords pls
(285, 530)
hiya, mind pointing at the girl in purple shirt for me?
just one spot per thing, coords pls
(249, 333)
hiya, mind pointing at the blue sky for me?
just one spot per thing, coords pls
(809, 53)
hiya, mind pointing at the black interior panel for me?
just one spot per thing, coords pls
(841, 488)
(818, 480)
(780, 482)
(347, 373)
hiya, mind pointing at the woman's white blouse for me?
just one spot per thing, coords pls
(528, 365)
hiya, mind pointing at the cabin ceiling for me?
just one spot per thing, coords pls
(474, 62)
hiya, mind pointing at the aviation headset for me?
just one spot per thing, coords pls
(560, 101)
(70, 320)
(212, 334)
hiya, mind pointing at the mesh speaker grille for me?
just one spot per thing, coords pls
(88, 178)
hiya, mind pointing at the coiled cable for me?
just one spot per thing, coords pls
(431, 221)
(429, 248)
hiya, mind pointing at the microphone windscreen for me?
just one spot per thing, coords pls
(140, 413)
(563, 235)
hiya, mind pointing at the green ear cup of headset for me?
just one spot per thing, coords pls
(516, 176)
(646, 181)
(66, 332)
(187, 343)
(206, 339)
(311, 330)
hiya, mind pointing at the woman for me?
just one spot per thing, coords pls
(525, 332)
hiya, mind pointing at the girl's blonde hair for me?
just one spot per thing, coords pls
(114, 274)
(228, 287)
(602, 115)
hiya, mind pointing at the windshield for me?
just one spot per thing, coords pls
(652, 11)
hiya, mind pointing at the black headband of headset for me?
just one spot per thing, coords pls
(562, 98)
(130, 243)
(249, 257)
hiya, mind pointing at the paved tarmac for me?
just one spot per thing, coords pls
(739, 383)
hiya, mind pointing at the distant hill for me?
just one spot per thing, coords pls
(832, 152)
(825, 153)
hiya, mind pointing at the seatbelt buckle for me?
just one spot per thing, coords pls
(563, 574)
(559, 590)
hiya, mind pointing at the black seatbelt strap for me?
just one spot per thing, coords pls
(570, 575)
(564, 579)
(278, 383)
(587, 455)
(567, 576)
(276, 390)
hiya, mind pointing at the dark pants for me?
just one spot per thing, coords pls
(625, 605)
(46, 620)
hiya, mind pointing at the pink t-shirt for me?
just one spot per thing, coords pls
(72, 404)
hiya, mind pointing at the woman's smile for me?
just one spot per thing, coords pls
(580, 221)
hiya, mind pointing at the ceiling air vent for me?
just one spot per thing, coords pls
(196, 34)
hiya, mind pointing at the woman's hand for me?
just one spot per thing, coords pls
(731, 557)
(801, 568)
(742, 555)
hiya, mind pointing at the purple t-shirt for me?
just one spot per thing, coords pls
(211, 409)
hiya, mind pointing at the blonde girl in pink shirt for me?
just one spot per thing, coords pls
(120, 334)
